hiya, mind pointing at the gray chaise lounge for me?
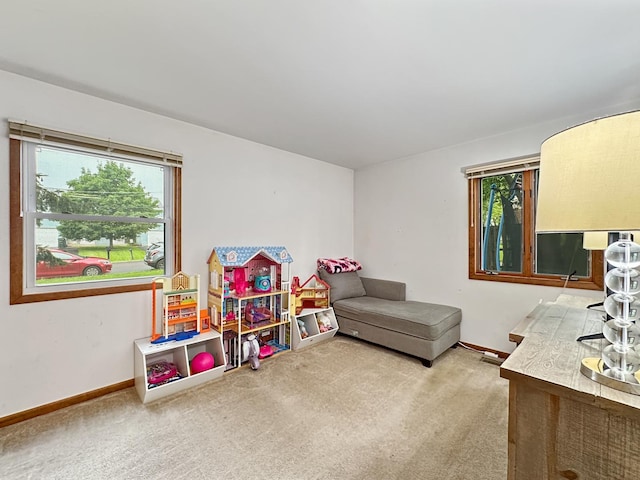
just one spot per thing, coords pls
(376, 311)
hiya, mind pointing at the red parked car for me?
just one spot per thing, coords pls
(74, 266)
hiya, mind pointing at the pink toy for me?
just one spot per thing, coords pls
(257, 314)
(240, 281)
(324, 323)
(161, 371)
(201, 362)
(265, 351)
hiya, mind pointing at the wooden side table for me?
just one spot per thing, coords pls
(562, 425)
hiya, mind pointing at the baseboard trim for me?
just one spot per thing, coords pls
(500, 354)
(65, 402)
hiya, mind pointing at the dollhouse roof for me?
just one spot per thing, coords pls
(315, 282)
(238, 256)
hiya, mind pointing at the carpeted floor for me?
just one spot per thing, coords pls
(342, 409)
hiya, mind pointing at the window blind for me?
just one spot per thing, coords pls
(519, 164)
(46, 136)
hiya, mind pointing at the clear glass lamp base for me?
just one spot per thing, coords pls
(619, 364)
(596, 369)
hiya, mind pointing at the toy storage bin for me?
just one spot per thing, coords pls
(310, 319)
(175, 356)
(214, 347)
(310, 324)
(327, 313)
(178, 352)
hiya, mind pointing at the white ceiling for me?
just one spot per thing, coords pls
(351, 82)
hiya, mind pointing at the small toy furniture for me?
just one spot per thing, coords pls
(257, 315)
(377, 311)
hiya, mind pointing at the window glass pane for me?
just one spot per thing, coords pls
(561, 254)
(501, 213)
(79, 251)
(75, 182)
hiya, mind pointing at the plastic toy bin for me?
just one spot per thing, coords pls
(310, 324)
(309, 318)
(212, 346)
(330, 315)
(175, 356)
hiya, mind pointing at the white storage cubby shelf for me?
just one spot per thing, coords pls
(313, 320)
(180, 353)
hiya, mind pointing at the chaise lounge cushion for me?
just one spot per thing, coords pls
(377, 311)
(423, 320)
(343, 285)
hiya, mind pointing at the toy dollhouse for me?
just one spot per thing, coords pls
(314, 293)
(249, 295)
(180, 314)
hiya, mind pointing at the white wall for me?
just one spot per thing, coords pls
(411, 225)
(235, 192)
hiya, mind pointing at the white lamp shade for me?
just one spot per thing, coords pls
(595, 240)
(589, 177)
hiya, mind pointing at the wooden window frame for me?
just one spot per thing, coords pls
(527, 276)
(17, 295)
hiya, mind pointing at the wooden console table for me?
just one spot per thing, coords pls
(562, 425)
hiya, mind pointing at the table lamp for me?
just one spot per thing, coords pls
(588, 182)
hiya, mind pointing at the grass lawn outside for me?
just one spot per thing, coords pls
(120, 253)
(106, 276)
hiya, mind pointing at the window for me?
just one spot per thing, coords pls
(89, 216)
(503, 245)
